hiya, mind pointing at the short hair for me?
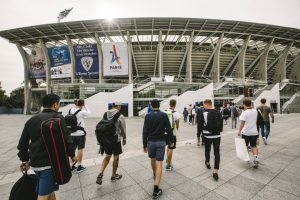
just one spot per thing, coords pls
(155, 103)
(247, 102)
(207, 101)
(172, 102)
(201, 103)
(50, 99)
(80, 102)
(263, 100)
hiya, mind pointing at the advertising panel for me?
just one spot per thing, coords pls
(115, 59)
(86, 60)
(37, 64)
(60, 62)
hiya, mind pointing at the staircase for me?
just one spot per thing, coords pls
(293, 105)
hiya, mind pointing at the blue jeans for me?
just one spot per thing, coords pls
(265, 129)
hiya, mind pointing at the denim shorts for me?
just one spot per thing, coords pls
(46, 182)
(156, 149)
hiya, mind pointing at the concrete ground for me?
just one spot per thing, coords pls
(278, 175)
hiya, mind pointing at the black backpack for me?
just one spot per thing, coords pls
(214, 122)
(71, 121)
(54, 143)
(235, 113)
(106, 131)
(260, 119)
(24, 188)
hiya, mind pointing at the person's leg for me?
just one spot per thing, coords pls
(253, 140)
(115, 164)
(198, 139)
(235, 122)
(262, 129)
(44, 197)
(52, 196)
(216, 146)
(158, 172)
(153, 165)
(207, 150)
(79, 156)
(104, 164)
(267, 125)
(169, 156)
(232, 120)
(159, 157)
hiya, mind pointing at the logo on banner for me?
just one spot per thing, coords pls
(87, 63)
(114, 57)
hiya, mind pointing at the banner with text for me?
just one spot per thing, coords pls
(60, 62)
(115, 59)
(86, 60)
(37, 63)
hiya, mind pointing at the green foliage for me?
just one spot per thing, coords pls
(3, 97)
(16, 99)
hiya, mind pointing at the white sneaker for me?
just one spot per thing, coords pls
(265, 140)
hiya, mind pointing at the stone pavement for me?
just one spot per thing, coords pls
(278, 175)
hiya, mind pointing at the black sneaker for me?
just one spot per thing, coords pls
(215, 176)
(80, 169)
(155, 195)
(116, 177)
(207, 165)
(99, 179)
(73, 168)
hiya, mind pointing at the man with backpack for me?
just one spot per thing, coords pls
(234, 115)
(266, 112)
(174, 117)
(156, 125)
(38, 157)
(114, 128)
(225, 113)
(210, 123)
(78, 132)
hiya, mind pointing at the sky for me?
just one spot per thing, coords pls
(16, 13)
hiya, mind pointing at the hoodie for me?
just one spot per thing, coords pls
(120, 123)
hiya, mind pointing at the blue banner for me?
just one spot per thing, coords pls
(86, 60)
(60, 61)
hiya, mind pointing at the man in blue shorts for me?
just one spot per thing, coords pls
(156, 125)
(37, 158)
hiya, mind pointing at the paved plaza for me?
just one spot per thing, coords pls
(278, 176)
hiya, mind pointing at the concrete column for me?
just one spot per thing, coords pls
(48, 74)
(129, 49)
(70, 45)
(262, 64)
(26, 80)
(295, 73)
(280, 71)
(215, 71)
(188, 77)
(100, 57)
(160, 56)
(240, 66)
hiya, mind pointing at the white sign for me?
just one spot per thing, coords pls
(115, 59)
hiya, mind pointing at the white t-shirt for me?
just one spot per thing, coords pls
(176, 116)
(250, 117)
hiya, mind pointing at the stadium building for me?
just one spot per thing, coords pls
(137, 59)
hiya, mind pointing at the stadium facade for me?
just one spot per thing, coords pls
(138, 59)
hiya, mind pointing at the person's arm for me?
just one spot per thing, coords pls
(23, 153)
(145, 133)
(68, 139)
(85, 111)
(242, 124)
(272, 115)
(122, 128)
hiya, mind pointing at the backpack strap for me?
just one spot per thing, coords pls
(116, 117)
(76, 112)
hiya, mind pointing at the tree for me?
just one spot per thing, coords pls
(3, 97)
(16, 99)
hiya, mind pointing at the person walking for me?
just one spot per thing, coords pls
(156, 124)
(248, 129)
(79, 136)
(174, 117)
(116, 147)
(32, 151)
(185, 114)
(225, 113)
(190, 113)
(211, 124)
(234, 114)
(199, 112)
(265, 126)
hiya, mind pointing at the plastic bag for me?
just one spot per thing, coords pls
(241, 149)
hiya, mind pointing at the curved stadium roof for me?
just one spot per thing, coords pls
(175, 32)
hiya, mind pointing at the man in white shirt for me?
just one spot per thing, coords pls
(174, 117)
(79, 135)
(248, 128)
